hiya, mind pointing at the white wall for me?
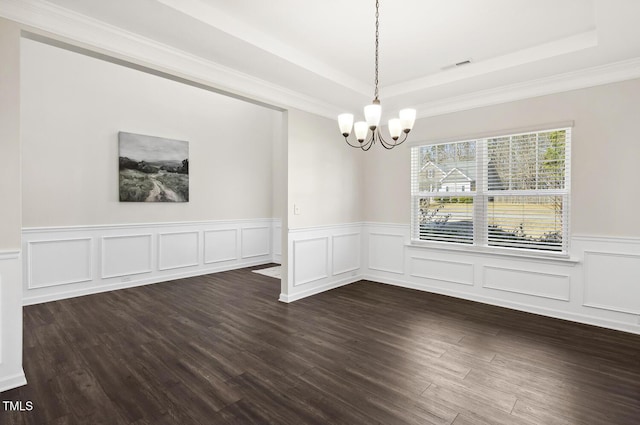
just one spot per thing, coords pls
(279, 184)
(73, 107)
(325, 186)
(604, 153)
(77, 237)
(324, 174)
(599, 285)
(354, 206)
(11, 374)
(10, 213)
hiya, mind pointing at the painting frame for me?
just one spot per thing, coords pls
(152, 169)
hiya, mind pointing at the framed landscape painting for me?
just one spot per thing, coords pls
(153, 169)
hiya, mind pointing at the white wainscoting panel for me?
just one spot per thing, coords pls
(346, 253)
(320, 259)
(124, 255)
(612, 281)
(11, 373)
(386, 252)
(442, 270)
(277, 243)
(311, 260)
(598, 284)
(256, 241)
(527, 282)
(58, 262)
(220, 245)
(177, 250)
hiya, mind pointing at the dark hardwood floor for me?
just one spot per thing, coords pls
(220, 349)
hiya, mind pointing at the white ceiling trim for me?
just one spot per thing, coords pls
(563, 46)
(86, 32)
(78, 29)
(218, 19)
(590, 77)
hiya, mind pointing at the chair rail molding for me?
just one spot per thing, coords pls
(92, 259)
(578, 289)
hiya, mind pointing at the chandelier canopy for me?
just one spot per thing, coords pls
(368, 131)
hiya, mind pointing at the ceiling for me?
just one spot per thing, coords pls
(324, 50)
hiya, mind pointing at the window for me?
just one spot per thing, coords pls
(508, 191)
(430, 174)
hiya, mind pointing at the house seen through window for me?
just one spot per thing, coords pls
(509, 191)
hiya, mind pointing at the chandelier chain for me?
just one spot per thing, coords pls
(377, 44)
(368, 131)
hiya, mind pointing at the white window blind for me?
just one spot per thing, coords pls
(510, 191)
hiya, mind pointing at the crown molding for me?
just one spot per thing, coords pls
(574, 43)
(216, 18)
(590, 77)
(66, 26)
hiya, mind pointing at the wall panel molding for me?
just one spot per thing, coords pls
(612, 281)
(321, 258)
(256, 241)
(346, 252)
(311, 260)
(598, 285)
(124, 255)
(386, 252)
(461, 273)
(55, 262)
(527, 282)
(178, 249)
(220, 245)
(134, 254)
(569, 290)
(277, 243)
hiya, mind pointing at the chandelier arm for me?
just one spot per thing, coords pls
(365, 145)
(374, 113)
(346, 139)
(404, 137)
(383, 142)
(388, 145)
(371, 140)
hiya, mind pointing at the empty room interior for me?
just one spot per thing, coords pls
(329, 212)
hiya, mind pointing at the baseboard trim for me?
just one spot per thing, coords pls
(573, 317)
(132, 284)
(13, 381)
(318, 289)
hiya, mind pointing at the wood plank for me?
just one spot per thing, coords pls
(220, 349)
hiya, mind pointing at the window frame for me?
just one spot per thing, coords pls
(481, 195)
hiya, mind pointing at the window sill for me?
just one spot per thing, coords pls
(494, 251)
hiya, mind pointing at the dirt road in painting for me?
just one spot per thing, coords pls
(161, 193)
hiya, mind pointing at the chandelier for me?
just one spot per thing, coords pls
(368, 131)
